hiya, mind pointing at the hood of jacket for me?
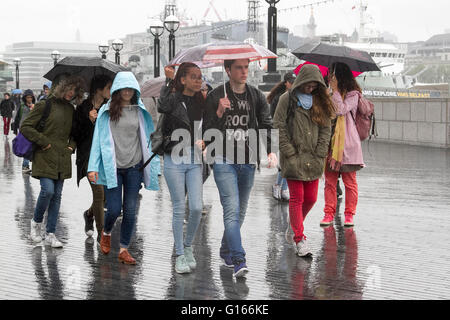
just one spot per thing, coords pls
(308, 73)
(124, 79)
(28, 92)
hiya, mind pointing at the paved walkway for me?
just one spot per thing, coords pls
(399, 248)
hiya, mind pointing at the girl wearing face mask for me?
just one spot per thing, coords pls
(183, 107)
(52, 159)
(303, 118)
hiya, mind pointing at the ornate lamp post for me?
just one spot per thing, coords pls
(272, 34)
(103, 48)
(171, 24)
(156, 30)
(17, 62)
(55, 56)
(117, 45)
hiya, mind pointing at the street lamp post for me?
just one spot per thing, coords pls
(103, 48)
(117, 45)
(55, 56)
(17, 62)
(171, 24)
(156, 30)
(272, 34)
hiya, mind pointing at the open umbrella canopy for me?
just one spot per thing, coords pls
(152, 87)
(326, 54)
(17, 91)
(214, 54)
(85, 67)
(323, 69)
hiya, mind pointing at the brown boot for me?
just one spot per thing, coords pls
(105, 243)
(126, 258)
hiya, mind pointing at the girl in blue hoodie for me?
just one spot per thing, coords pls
(120, 146)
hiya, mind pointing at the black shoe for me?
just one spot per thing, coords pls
(88, 224)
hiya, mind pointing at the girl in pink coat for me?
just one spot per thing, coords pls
(345, 156)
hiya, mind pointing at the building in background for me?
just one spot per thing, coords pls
(36, 59)
(5, 76)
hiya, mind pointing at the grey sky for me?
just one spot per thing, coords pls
(100, 20)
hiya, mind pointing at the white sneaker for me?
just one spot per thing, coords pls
(285, 195)
(35, 232)
(276, 191)
(302, 249)
(50, 240)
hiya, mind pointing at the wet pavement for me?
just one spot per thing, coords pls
(398, 249)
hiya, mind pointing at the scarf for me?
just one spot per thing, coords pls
(305, 100)
(337, 144)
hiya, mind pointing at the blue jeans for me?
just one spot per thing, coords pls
(235, 182)
(178, 177)
(282, 181)
(49, 198)
(25, 163)
(129, 180)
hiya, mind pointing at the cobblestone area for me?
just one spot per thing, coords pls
(397, 250)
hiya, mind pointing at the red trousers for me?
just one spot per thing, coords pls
(6, 124)
(351, 192)
(303, 196)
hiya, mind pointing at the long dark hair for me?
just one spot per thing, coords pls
(98, 83)
(344, 76)
(115, 109)
(279, 88)
(183, 71)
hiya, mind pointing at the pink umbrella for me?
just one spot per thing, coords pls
(214, 54)
(323, 69)
(152, 87)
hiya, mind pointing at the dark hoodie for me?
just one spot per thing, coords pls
(23, 110)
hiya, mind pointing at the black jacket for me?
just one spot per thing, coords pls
(7, 108)
(176, 116)
(259, 118)
(83, 131)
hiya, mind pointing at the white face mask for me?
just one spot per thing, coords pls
(305, 100)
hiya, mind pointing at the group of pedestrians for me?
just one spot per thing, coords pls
(318, 135)
(111, 130)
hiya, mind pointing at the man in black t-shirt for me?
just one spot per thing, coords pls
(239, 115)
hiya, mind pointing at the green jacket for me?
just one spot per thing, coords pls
(54, 163)
(303, 143)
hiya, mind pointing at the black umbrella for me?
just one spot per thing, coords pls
(326, 54)
(85, 67)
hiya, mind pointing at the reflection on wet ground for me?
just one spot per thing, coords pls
(397, 250)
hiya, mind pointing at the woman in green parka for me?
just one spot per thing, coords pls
(303, 118)
(52, 159)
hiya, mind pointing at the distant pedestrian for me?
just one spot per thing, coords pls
(28, 101)
(244, 110)
(6, 110)
(119, 149)
(83, 130)
(280, 189)
(183, 108)
(345, 149)
(45, 91)
(52, 159)
(303, 117)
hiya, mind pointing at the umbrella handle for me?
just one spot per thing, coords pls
(224, 87)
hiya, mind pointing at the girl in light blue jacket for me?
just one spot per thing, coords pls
(120, 146)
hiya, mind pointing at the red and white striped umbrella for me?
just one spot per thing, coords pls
(214, 54)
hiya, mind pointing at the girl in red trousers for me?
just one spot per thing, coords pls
(345, 157)
(303, 118)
